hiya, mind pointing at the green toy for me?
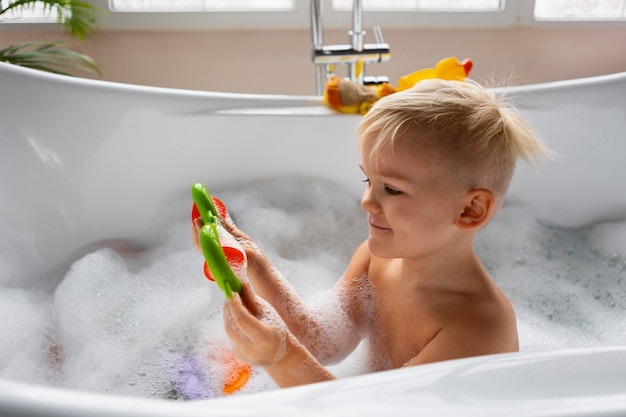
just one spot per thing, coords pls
(216, 260)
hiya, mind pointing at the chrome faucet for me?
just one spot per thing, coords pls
(355, 55)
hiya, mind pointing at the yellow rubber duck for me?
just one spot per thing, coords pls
(447, 69)
(347, 96)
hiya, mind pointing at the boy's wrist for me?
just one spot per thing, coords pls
(290, 355)
(297, 366)
(261, 263)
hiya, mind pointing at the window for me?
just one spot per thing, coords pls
(422, 4)
(200, 5)
(33, 13)
(580, 9)
(294, 14)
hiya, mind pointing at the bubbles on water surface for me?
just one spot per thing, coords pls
(566, 284)
(149, 324)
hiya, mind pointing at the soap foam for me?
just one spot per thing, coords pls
(25, 318)
(150, 325)
(566, 285)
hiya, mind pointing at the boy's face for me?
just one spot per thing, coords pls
(411, 209)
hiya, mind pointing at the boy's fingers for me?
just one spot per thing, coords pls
(235, 231)
(197, 225)
(230, 225)
(249, 325)
(248, 299)
(234, 331)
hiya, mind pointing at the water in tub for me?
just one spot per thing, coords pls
(149, 324)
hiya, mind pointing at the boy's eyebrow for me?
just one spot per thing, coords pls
(389, 175)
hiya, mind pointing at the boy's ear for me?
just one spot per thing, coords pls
(479, 207)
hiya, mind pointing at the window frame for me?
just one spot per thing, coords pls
(299, 18)
(515, 13)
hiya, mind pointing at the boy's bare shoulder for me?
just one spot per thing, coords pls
(479, 325)
(489, 312)
(359, 263)
(467, 324)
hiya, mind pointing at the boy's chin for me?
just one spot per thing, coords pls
(380, 249)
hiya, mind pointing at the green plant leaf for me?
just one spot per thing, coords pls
(78, 17)
(49, 56)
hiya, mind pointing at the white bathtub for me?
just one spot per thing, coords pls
(83, 162)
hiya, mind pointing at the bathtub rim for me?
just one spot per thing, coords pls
(27, 400)
(71, 81)
(279, 98)
(550, 86)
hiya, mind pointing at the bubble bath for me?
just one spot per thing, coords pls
(106, 310)
(566, 284)
(131, 323)
(128, 323)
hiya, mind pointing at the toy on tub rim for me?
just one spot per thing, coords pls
(351, 97)
(222, 254)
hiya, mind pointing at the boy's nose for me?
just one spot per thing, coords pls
(368, 201)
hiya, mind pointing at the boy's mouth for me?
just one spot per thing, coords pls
(377, 226)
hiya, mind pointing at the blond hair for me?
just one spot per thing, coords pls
(477, 136)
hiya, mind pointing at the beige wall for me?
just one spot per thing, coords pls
(279, 61)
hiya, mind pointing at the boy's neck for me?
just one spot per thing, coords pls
(457, 271)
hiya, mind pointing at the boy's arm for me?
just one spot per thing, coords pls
(316, 327)
(260, 338)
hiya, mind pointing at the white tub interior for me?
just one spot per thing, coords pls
(86, 163)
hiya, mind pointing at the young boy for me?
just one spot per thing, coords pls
(437, 160)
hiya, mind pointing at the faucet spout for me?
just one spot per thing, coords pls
(357, 33)
(355, 55)
(317, 38)
(317, 26)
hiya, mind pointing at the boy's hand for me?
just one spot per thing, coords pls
(258, 334)
(195, 233)
(253, 252)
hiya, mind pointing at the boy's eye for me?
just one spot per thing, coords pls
(366, 180)
(391, 191)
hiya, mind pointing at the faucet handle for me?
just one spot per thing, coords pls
(378, 34)
(375, 80)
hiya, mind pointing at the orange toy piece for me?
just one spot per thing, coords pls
(347, 96)
(237, 372)
(447, 69)
(239, 376)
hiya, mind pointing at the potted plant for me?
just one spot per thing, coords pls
(77, 17)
